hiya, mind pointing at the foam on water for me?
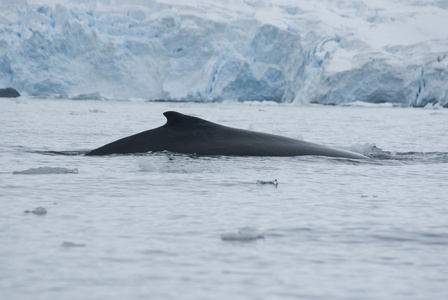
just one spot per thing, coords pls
(151, 166)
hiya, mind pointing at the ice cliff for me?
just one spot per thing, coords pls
(287, 51)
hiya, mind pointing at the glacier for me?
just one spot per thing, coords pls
(326, 52)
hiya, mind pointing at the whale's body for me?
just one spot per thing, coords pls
(192, 135)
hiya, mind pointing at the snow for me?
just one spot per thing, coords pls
(327, 52)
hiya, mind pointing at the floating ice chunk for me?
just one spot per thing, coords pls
(71, 245)
(244, 234)
(47, 170)
(37, 211)
(96, 111)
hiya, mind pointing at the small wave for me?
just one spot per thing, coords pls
(364, 149)
(46, 170)
(412, 157)
(65, 153)
(422, 157)
(427, 238)
(372, 151)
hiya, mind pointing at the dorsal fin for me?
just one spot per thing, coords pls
(173, 118)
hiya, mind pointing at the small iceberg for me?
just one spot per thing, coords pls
(47, 170)
(245, 234)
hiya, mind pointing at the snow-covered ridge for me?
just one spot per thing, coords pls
(304, 51)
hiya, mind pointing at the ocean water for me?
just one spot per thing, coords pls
(169, 226)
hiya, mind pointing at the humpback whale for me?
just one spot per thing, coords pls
(192, 135)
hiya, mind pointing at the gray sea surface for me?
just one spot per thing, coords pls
(170, 226)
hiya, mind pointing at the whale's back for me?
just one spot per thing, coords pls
(192, 135)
